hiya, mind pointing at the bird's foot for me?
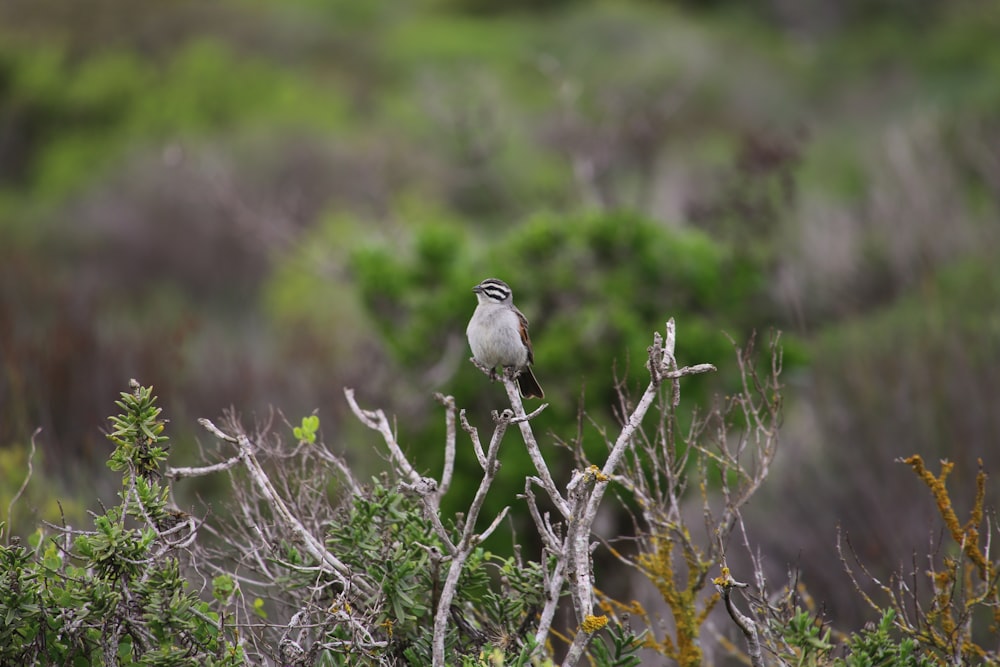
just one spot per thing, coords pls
(491, 372)
(511, 372)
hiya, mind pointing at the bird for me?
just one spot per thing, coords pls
(498, 336)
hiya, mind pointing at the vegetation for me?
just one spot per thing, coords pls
(381, 576)
(256, 204)
(115, 594)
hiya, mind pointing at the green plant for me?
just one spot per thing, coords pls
(618, 647)
(960, 619)
(115, 594)
(592, 285)
(880, 647)
(307, 431)
(809, 641)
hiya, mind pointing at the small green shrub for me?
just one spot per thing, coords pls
(881, 647)
(115, 594)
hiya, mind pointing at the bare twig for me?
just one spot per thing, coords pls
(473, 432)
(725, 585)
(312, 545)
(449, 443)
(27, 478)
(429, 494)
(468, 541)
(534, 451)
(376, 420)
(180, 473)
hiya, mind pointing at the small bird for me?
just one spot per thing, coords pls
(498, 335)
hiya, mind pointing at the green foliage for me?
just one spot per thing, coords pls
(878, 647)
(443, 38)
(77, 115)
(115, 594)
(381, 535)
(617, 647)
(805, 634)
(592, 286)
(385, 535)
(137, 433)
(223, 588)
(307, 431)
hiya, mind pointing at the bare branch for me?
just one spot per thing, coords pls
(429, 494)
(468, 541)
(534, 451)
(376, 420)
(493, 526)
(725, 584)
(180, 473)
(544, 527)
(449, 443)
(313, 546)
(27, 476)
(473, 432)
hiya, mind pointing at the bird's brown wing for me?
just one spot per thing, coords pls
(524, 335)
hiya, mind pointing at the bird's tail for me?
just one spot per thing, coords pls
(528, 385)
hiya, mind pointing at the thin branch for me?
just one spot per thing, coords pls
(376, 420)
(534, 451)
(429, 495)
(553, 590)
(477, 445)
(313, 546)
(493, 526)
(449, 443)
(200, 471)
(468, 541)
(577, 544)
(747, 626)
(27, 478)
(544, 528)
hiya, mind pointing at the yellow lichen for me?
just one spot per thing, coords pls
(945, 621)
(679, 591)
(966, 537)
(592, 624)
(596, 473)
(723, 579)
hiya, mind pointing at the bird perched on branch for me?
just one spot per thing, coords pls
(498, 336)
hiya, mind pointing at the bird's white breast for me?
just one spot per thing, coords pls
(495, 337)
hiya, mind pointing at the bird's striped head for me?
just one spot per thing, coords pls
(492, 290)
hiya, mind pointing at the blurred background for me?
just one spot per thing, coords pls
(254, 203)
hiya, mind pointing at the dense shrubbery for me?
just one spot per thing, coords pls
(115, 594)
(310, 567)
(592, 286)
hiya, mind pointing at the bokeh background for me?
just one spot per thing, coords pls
(253, 203)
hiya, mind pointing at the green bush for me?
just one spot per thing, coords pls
(121, 593)
(118, 594)
(592, 287)
(113, 594)
(78, 117)
(879, 646)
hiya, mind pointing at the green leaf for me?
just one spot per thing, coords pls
(223, 588)
(307, 431)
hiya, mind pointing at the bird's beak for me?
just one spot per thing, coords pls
(477, 289)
